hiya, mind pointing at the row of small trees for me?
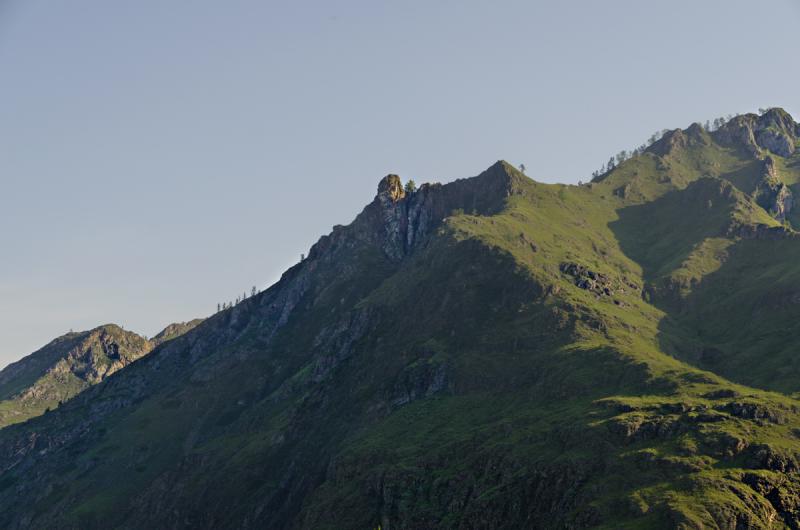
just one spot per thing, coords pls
(716, 123)
(614, 161)
(222, 306)
(624, 155)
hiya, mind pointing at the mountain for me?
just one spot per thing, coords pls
(174, 330)
(488, 353)
(70, 364)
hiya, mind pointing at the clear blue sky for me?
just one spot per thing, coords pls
(157, 157)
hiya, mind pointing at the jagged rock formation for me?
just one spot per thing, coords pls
(590, 280)
(772, 194)
(390, 190)
(774, 131)
(398, 222)
(490, 353)
(678, 139)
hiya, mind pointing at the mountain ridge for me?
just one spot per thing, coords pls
(71, 363)
(488, 353)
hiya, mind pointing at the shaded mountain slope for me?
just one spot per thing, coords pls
(174, 330)
(65, 367)
(70, 364)
(718, 254)
(489, 353)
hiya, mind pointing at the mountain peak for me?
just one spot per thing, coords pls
(775, 130)
(391, 187)
(176, 329)
(777, 115)
(503, 168)
(562, 304)
(677, 139)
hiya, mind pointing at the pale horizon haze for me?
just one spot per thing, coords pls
(157, 158)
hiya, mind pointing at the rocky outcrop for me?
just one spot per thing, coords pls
(772, 194)
(759, 231)
(88, 356)
(678, 139)
(783, 495)
(397, 222)
(779, 142)
(390, 189)
(390, 193)
(774, 131)
(102, 352)
(629, 190)
(598, 283)
(755, 411)
(783, 203)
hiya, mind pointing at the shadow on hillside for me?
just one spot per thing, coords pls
(661, 234)
(738, 321)
(736, 318)
(747, 177)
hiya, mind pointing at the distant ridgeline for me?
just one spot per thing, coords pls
(492, 353)
(69, 364)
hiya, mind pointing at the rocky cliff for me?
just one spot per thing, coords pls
(772, 193)
(773, 131)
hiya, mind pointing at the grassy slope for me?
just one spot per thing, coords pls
(488, 390)
(682, 474)
(730, 303)
(639, 433)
